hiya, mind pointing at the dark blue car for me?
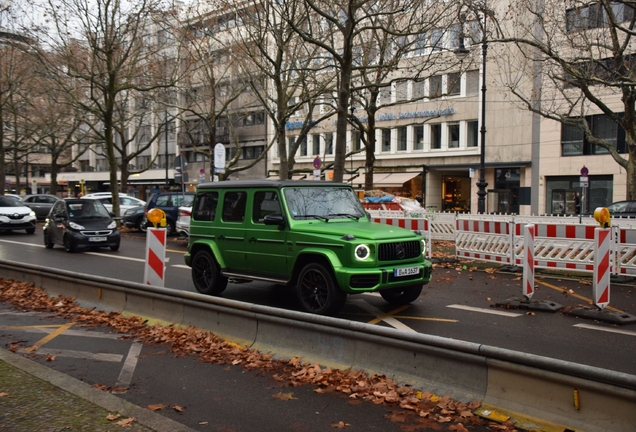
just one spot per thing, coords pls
(169, 202)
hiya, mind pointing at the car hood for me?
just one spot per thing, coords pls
(359, 229)
(93, 224)
(22, 210)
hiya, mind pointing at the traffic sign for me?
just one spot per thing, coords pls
(219, 157)
(180, 163)
(317, 162)
(584, 171)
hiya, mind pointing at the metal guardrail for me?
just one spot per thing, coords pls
(466, 371)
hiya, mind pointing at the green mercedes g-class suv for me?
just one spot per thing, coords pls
(312, 236)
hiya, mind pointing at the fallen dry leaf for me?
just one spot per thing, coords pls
(284, 396)
(441, 419)
(50, 358)
(3, 394)
(530, 313)
(340, 425)
(178, 408)
(458, 428)
(111, 417)
(156, 407)
(126, 422)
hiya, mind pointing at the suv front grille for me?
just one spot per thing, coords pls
(399, 251)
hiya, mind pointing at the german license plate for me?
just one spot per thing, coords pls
(406, 271)
(96, 239)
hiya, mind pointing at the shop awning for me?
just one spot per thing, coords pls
(393, 179)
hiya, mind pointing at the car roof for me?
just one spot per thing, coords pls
(268, 184)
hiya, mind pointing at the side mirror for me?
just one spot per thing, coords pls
(274, 219)
(111, 214)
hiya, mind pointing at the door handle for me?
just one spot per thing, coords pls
(253, 240)
(221, 237)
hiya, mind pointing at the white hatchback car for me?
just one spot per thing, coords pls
(14, 215)
(183, 222)
(125, 202)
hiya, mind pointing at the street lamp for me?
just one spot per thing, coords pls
(481, 184)
(352, 109)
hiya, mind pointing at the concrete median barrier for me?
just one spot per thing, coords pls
(509, 380)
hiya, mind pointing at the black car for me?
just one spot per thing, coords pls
(41, 204)
(169, 202)
(623, 209)
(80, 224)
(135, 218)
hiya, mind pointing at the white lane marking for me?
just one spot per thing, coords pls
(22, 243)
(125, 376)
(183, 266)
(116, 358)
(605, 329)
(379, 314)
(115, 256)
(486, 311)
(20, 313)
(71, 333)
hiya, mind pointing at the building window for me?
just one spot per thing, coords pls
(472, 129)
(355, 139)
(386, 140)
(329, 143)
(315, 142)
(435, 86)
(418, 90)
(453, 135)
(595, 16)
(574, 142)
(472, 83)
(454, 37)
(453, 84)
(303, 146)
(418, 134)
(436, 39)
(290, 144)
(436, 136)
(401, 91)
(401, 138)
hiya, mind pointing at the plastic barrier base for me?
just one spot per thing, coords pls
(533, 305)
(611, 317)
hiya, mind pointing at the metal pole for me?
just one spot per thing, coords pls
(481, 184)
(166, 150)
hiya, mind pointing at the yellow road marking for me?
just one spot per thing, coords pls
(580, 297)
(28, 327)
(388, 314)
(176, 251)
(49, 337)
(424, 318)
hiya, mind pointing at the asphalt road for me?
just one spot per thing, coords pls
(457, 304)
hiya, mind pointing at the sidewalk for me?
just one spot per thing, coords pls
(36, 398)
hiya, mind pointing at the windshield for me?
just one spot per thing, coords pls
(88, 210)
(9, 201)
(323, 203)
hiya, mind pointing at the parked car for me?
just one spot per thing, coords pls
(135, 218)
(169, 202)
(14, 215)
(80, 224)
(183, 222)
(622, 209)
(314, 237)
(41, 204)
(125, 202)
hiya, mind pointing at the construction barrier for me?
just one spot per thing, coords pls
(626, 251)
(601, 279)
(154, 270)
(484, 240)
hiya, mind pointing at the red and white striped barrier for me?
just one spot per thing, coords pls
(528, 260)
(626, 251)
(601, 278)
(484, 240)
(154, 272)
(413, 225)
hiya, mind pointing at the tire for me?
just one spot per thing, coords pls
(206, 275)
(30, 230)
(47, 241)
(402, 296)
(142, 224)
(115, 248)
(171, 229)
(68, 245)
(317, 292)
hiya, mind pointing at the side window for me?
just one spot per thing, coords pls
(234, 206)
(264, 203)
(205, 206)
(58, 207)
(126, 201)
(50, 200)
(162, 201)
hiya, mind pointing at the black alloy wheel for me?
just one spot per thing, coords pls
(317, 292)
(68, 244)
(206, 275)
(401, 296)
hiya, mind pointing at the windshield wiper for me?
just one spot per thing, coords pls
(349, 215)
(315, 216)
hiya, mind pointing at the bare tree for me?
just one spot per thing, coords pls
(569, 60)
(106, 47)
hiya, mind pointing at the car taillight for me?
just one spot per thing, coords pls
(185, 213)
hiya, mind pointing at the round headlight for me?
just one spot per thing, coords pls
(112, 225)
(362, 252)
(75, 226)
(423, 247)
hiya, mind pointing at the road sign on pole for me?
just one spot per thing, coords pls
(219, 158)
(317, 162)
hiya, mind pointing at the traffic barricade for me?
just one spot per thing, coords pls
(485, 240)
(626, 252)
